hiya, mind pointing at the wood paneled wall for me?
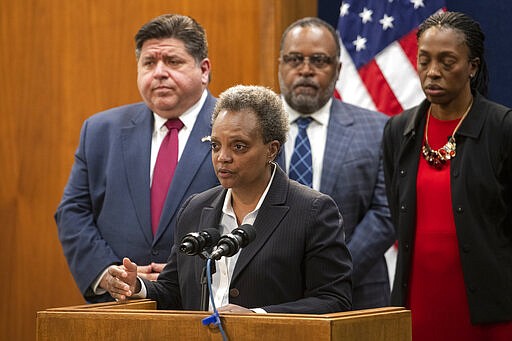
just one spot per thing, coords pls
(62, 61)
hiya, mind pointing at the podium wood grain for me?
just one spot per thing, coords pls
(140, 321)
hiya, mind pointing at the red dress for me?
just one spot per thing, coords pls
(437, 295)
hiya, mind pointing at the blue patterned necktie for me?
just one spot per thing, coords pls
(301, 166)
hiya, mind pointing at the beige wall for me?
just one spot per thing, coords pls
(60, 62)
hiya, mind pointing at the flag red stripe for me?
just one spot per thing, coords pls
(337, 94)
(410, 46)
(382, 95)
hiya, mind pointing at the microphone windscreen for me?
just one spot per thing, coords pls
(249, 234)
(214, 235)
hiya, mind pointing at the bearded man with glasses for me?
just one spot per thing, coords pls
(335, 148)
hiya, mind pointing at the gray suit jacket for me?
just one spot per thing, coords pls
(353, 176)
(298, 262)
(105, 214)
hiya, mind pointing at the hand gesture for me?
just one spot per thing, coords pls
(121, 280)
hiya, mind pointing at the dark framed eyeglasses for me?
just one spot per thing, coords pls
(317, 60)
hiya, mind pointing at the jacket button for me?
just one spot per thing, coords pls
(460, 209)
(403, 172)
(155, 252)
(403, 207)
(406, 247)
(234, 292)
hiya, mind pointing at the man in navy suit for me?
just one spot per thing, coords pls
(346, 152)
(105, 213)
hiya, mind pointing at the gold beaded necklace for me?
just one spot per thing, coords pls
(438, 158)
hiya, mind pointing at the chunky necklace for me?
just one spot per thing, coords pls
(438, 158)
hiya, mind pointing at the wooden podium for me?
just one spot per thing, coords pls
(139, 320)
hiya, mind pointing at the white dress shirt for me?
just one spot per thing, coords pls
(317, 134)
(221, 279)
(160, 130)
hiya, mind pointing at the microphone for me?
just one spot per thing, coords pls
(196, 242)
(230, 244)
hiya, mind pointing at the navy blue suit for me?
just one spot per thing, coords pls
(353, 176)
(105, 213)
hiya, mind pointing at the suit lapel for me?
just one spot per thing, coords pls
(212, 214)
(194, 155)
(210, 218)
(136, 151)
(338, 134)
(271, 212)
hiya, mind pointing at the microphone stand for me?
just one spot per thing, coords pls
(205, 294)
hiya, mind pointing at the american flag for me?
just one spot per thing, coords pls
(378, 52)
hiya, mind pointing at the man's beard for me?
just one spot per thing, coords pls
(307, 103)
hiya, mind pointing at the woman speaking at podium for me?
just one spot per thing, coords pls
(298, 261)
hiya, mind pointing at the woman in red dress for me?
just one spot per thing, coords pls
(448, 167)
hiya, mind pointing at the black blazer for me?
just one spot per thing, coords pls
(481, 187)
(298, 263)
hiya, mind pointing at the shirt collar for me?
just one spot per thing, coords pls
(227, 208)
(320, 116)
(188, 117)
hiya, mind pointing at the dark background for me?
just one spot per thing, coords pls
(495, 18)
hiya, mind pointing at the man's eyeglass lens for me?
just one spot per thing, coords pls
(317, 60)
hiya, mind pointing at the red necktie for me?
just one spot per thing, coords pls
(163, 172)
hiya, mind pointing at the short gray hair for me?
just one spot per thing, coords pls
(264, 102)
